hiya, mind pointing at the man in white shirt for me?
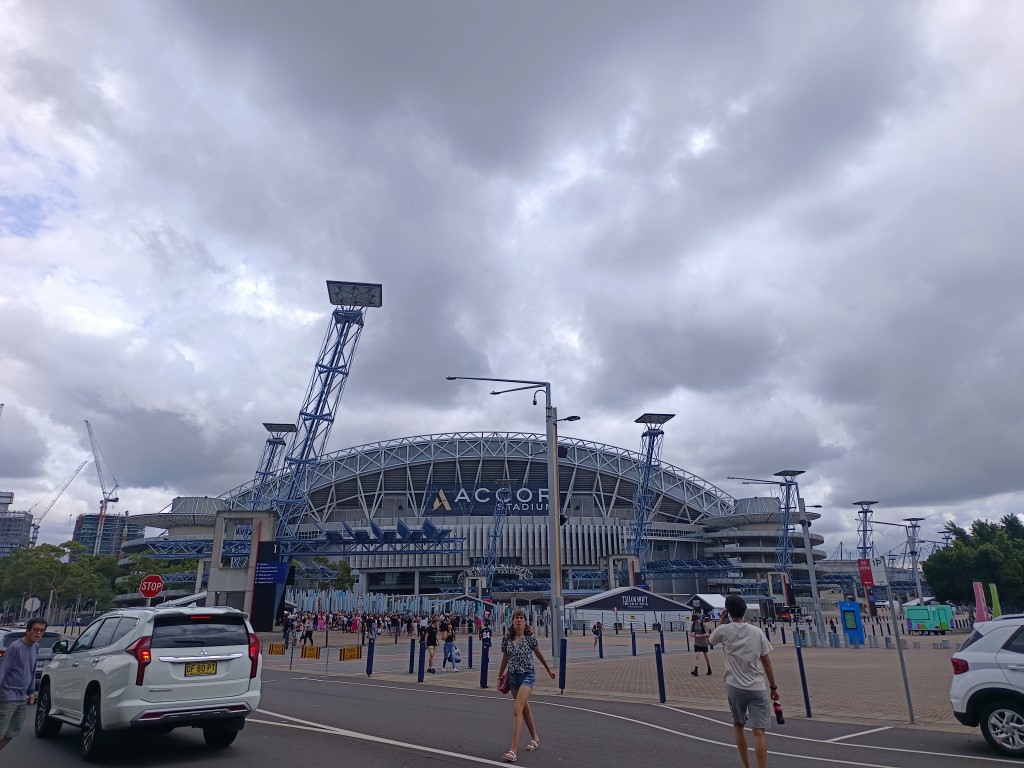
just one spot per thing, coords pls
(748, 678)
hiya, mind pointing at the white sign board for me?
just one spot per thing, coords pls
(878, 574)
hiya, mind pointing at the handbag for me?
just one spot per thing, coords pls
(457, 655)
(503, 685)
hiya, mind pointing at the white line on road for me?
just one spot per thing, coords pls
(861, 733)
(729, 745)
(305, 725)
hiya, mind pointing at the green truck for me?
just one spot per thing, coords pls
(928, 619)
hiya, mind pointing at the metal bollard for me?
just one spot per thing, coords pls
(562, 661)
(661, 672)
(616, 625)
(369, 657)
(600, 645)
(545, 629)
(485, 654)
(783, 628)
(470, 643)
(412, 655)
(421, 669)
(803, 680)
(687, 639)
(396, 634)
(661, 635)
(292, 659)
(634, 639)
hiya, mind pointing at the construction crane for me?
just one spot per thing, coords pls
(108, 496)
(57, 494)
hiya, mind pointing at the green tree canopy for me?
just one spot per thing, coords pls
(992, 553)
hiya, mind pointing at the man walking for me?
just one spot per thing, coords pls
(748, 678)
(18, 680)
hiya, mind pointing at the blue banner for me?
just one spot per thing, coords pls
(271, 573)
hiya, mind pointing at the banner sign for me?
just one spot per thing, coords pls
(980, 609)
(864, 566)
(454, 499)
(878, 573)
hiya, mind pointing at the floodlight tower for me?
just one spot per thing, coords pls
(788, 508)
(864, 529)
(316, 417)
(643, 498)
(270, 463)
(913, 529)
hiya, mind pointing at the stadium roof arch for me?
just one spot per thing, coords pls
(362, 476)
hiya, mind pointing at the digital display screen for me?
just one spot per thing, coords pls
(849, 620)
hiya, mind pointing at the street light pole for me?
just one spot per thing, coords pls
(805, 523)
(554, 507)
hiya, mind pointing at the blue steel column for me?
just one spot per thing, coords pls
(316, 417)
(270, 464)
(643, 498)
(504, 496)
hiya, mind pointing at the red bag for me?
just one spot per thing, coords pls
(503, 685)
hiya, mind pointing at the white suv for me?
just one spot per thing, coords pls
(156, 668)
(988, 682)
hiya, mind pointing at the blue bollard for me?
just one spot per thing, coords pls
(634, 640)
(545, 629)
(803, 679)
(783, 635)
(562, 661)
(396, 634)
(661, 634)
(767, 635)
(616, 625)
(470, 651)
(661, 673)
(369, 657)
(421, 669)
(485, 654)
(412, 656)
(600, 646)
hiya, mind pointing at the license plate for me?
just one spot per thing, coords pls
(201, 668)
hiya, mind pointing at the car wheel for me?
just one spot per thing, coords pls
(46, 726)
(1002, 724)
(93, 738)
(218, 737)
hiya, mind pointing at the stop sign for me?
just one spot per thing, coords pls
(151, 586)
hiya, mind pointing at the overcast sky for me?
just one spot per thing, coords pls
(796, 225)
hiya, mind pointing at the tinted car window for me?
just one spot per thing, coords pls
(974, 637)
(84, 642)
(1016, 643)
(106, 634)
(47, 640)
(124, 626)
(199, 631)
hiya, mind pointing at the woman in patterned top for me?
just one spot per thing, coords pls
(518, 648)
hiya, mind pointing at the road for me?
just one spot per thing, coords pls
(310, 720)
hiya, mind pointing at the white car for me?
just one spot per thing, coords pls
(155, 668)
(988, 682)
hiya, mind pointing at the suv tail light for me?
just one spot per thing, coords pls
(254, 654)
(140, 649)
(959, 666)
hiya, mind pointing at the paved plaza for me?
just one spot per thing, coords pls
(862, 684)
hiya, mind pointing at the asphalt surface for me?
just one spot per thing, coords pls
(310, 720)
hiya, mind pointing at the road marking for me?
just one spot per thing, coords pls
(729, 745)
(855, 735)
(304, 726)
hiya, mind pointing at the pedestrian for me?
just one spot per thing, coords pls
(518, 647)
(748, 673)
(699, 633)
(288, 624)
(18, 680)
(308, 631)
(448, 636)
(431, 637)
(596, 632)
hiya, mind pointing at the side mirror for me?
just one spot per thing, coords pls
(61, 646)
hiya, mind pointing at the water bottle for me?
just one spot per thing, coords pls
(778, 713)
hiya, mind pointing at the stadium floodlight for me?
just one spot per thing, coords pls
(278, 428)
(345, 294)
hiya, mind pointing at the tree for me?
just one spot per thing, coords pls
(992, 553)
(336, 575)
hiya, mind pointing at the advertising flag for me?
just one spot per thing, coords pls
(980, 609)
(996, 610)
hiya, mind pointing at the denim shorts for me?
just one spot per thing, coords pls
(517, 679)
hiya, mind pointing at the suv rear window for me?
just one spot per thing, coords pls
(199, 631)
(974, 637)
(47, 640)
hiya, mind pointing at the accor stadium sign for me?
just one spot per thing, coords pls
(484, 499)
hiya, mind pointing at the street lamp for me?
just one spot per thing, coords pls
(554, 507)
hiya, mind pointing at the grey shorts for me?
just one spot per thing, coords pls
(749, 707)
(12, 717)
